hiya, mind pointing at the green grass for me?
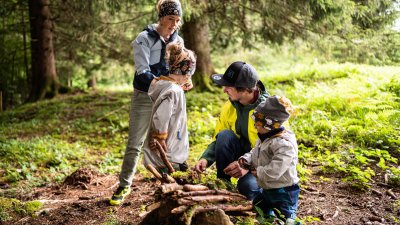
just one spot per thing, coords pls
(347, 117)
(347, 120)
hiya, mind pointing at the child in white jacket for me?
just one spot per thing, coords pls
(168, 125)
(273, 160)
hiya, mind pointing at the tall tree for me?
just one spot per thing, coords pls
(274, 21)
(196, 37)
(44, 76)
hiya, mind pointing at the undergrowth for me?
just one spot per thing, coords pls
(346, 119)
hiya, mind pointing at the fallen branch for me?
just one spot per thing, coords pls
(376, 218)
(311, 189)
(114, 185)
(51, 201)
(194, 187)
(390, 192)
(179, 209)
(376, 192)
(383, 184)
(163, 155)
(154, 172)
(210, 192)
(336, 213)
(167, 188)
(167, 178)
(373, 210)
(206, 208)
(310, 192)
(204, 199)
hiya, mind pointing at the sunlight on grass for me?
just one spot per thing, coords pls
(346, 119)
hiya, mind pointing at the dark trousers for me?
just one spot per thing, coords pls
(228, 149)
(283, 199)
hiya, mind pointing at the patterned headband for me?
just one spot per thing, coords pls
(184, 67)
(170, 8)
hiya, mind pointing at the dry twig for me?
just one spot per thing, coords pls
(390, 192)
(163, 155)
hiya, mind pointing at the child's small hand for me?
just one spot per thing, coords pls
(187, 86)
(242, 162)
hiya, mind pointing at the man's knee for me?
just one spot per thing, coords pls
(225, 135)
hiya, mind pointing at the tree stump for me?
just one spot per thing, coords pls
(195, 204)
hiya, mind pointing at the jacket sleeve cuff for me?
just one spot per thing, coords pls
(209, 154)
(160, 136)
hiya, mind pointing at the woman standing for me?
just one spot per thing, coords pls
(149, 54)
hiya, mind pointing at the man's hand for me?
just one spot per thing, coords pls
(201, 165)
(234, 170)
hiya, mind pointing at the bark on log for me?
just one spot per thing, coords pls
(165, 178)
(190, 208)
(218, 217)
(154, 172)
(204, 199)
(211, 192)
(168, 188)
(207, 208)
(194, 187)
(179, 209)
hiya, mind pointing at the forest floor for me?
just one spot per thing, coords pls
(322, 201)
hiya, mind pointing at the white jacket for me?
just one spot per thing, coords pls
(275, 160)
(168, 116)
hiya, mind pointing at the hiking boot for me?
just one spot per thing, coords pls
(119, 195)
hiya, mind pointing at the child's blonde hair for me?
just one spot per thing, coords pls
(180, 60)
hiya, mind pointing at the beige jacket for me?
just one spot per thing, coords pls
(275, 160)
(168, 116)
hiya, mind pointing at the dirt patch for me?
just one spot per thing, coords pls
(81, 177)
(323, 201)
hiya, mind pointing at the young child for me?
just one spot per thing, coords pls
(168, 118)
(273, 160)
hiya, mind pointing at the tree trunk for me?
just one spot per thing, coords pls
(45, 83)
(92, 82)
(1, 101)
(195, 33)
(24, 34)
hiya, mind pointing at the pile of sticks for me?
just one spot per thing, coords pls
(187, 201)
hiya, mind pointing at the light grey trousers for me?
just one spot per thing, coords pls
(139, 122)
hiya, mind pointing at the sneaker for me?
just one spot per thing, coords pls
(292, 222)
(119, 195)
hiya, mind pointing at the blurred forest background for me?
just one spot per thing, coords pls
(50, 47)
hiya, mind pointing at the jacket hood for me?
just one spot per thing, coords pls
(161, 84)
